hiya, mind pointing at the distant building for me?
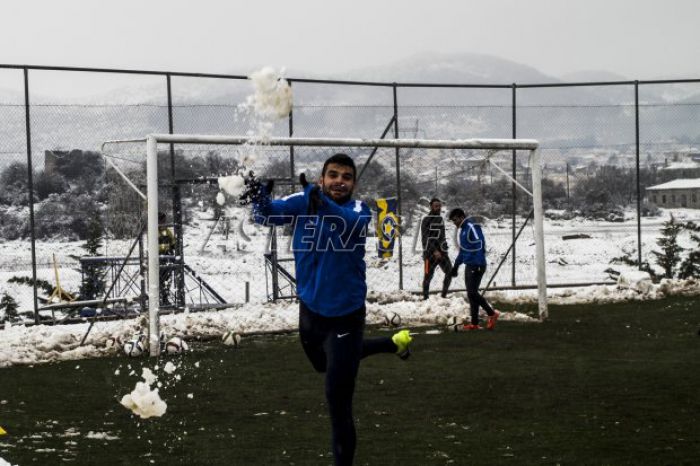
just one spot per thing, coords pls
(676, 193)
(681, 160)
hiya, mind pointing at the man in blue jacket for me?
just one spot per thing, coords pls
(330, 229)
(472, 253)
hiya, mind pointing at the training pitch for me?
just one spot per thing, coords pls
(613, 384)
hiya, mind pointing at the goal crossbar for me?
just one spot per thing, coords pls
(499, 144)
(491, 145)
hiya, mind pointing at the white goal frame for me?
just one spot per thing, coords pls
(151, 196)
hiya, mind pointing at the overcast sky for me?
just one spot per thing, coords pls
(641, 39)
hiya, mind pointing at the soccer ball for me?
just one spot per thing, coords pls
(231, 338)
(134, 347)
(176, 345)
(454, 323)
(392, 320)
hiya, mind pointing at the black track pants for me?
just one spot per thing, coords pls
(429, 266)
(335, 345)
(472, 278)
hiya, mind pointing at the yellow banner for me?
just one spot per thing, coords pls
(387, 226)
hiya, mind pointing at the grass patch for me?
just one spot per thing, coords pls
(613, 384)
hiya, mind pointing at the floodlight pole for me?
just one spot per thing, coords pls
(153, 250)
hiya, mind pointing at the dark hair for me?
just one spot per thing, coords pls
(457, 212)
(340, 159)
(435, 199)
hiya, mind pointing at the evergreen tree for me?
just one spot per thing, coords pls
(690, 267)
(93, 285)
(10, 306)
(670, 255)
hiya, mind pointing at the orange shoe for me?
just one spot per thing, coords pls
(491, 321)
(472, 327)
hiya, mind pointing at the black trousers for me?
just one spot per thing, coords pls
(472, 279)
(430, 264)
(335, 346)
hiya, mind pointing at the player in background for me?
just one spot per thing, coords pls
(472, 253)
(166, 247)
(330, 230)
(432, 233)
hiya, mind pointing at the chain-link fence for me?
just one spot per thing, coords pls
(603, 144)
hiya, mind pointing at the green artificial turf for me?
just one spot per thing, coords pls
(595, 384)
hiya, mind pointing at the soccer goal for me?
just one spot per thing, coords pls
(489, 147)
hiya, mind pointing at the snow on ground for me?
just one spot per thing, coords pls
(40, 344)
(233, 254)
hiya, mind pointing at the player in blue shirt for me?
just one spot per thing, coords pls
(330, 230)
(472, 253)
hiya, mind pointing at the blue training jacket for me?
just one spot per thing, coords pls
(329, 249)
(472, 245)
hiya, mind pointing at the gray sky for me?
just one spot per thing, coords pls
(641, 39)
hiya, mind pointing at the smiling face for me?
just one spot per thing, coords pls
(338, 182)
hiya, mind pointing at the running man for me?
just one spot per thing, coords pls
(329, 248)
(472, 253)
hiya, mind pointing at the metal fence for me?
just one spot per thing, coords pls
(631, 134)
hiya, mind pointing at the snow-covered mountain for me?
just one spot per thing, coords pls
(560, 117)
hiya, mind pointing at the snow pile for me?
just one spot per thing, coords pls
(143, 401)
(273, 96)
(605, 294)
(636, 280)
(39, 344)
(4, 463)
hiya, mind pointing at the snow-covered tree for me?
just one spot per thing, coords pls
(690, 267)
(670, 256)
(9, 305)
(93, 284)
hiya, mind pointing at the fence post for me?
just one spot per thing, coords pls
(291, 148)
(177, 207)
(639, 195)
(30, 189)
(514, 191)
(398, 187)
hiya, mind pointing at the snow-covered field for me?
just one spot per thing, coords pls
(228, 261)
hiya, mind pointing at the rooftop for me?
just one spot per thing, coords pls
(682, 183)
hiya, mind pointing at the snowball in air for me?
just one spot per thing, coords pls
(232, 185)
(273, 96)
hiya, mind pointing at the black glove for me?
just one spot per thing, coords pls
(315, 199)
(257, 191)
(455, 271)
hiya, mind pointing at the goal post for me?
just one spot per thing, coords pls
(491, 145)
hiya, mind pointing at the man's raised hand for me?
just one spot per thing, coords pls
(315, 199)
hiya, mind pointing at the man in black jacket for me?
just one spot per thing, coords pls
(432, 230)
